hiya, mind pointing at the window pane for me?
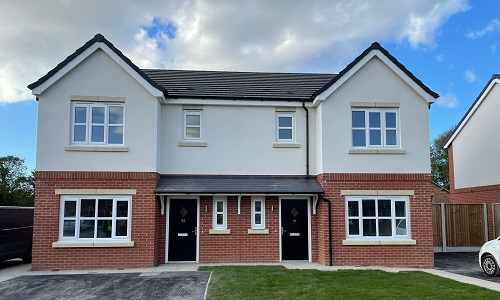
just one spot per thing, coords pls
(87, 228)
(285, 134)
(384, 208)
(121, 208)
(258, 206)
(220, 206)
(70, 208)
(390, 120)
(374, 119)
(258, 219)
(97, 134)
(87, 208)
(105, 208)
(69, 228)
(80, 115)
(353, 209)
(358, 138)
(104, 229)
(358, 119)
(369, 228)
(285, 121)
(384, 228)
(375, 137)
(80, 133)
(193, 120)
(390, 138)
(368, 208)
(400, 209)
(353, 227)
(220, 219)
(401, 227)
(121, 228)
(98, 115)
(193, 132)
(116, 115)
(115, 135)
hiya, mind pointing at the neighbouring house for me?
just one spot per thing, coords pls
(139, 167)
(439, 194)
(474, 168)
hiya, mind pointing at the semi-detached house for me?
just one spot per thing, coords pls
(139, 167)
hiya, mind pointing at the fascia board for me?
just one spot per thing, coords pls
(226, 102)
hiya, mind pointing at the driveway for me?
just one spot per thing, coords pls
(162, 285)
(463, 263)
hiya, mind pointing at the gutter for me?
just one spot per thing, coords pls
(329, 226)
(307, 138)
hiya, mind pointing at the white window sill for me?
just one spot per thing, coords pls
(377, 242)
(258, 231)
(219, 231)
(192, 144)
(117, 244)
(286, 145)
(377, 151)
(97, 148)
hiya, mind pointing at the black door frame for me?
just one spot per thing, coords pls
(303, 198)
(197, 198)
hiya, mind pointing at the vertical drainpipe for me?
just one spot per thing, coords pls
(307, 138)
(329, 226)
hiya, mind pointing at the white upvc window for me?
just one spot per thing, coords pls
(375, 128)
(377, 217)
(192, 124)
(220, 213)
(258, 213)
(95, 218)
(97, 124)
(285, 127)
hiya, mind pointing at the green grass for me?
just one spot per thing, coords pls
(276, 282)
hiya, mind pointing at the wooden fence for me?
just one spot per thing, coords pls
(459, 227)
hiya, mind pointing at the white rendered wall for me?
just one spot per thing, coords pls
(375, 82)
(98, 75)
(476, 149)
(239, 142)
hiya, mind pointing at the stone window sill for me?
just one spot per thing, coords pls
(377, 151)
(377, 242)
(258, 231)
(93, 244)
(192, 144)
(219, 231)
(96, 149)
(286, 145)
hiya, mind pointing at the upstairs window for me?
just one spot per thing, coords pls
(375, 128)
(98, 123)
(285, 129)
(192, 128)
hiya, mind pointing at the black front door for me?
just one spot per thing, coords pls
(294, 236)
(182, 230)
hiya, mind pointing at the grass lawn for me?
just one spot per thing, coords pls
(276, 282)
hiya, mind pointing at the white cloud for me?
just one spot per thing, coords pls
(470, 76)
(248, 35)
(493, 26)
(447, 101)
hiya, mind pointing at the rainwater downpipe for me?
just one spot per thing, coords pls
(329, 226)
(307, 138)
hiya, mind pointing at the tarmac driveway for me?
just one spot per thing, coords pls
(164, 285)
(463, 263)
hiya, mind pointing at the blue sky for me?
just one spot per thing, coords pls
(453, 46)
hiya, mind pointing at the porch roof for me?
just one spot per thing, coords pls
(169, 184)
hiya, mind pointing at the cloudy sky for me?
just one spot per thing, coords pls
(453, 46)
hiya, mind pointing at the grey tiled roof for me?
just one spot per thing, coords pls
(239, 85)
(237, 184)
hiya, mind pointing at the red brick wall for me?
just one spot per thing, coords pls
(145, 215)
(439, 194)
(420, 255)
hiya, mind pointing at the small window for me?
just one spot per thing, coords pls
(192, 129)
(285, 129)
(376, 128)
(377, 217)
(220, 213)
(258, 213)
(97, 124)
(85, 218)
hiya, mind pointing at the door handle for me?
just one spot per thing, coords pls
(194, 230)
(282, 230)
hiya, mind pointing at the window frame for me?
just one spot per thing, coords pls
(189, 112)
(215, 213)
(262, 212)
(77, 218)
(383, 128)
(89, 123)
(394, 219)
(285, 114)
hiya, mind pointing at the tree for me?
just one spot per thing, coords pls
(16, 188)
(439, 159)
